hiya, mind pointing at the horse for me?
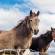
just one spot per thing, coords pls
(20, 37)
(42, 42)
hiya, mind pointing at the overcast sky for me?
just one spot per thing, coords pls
(12, 11)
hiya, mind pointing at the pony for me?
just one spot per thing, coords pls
(42, 42)
(20, 37)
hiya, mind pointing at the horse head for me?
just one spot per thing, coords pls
(33, 21)
(53, 33)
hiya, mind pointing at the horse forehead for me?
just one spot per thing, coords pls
(34, 14)
(32, 17)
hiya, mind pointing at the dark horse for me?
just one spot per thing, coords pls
(20, 37)
(42, 42)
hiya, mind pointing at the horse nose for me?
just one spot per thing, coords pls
(36, 32)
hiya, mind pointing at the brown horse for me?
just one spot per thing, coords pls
(20, 37)
(42, 42)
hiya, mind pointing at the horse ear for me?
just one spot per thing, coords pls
(51, 28)
(30, 12)
(38, 13)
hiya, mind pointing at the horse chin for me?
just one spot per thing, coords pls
(36, 32)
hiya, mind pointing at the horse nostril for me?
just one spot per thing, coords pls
(36, 31)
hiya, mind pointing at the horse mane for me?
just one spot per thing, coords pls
(47, 36)
(22, 22)
(48, 33)
(19, 24)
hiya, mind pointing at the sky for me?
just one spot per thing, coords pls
(13, 11)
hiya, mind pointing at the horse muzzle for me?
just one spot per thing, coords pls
(36, 32)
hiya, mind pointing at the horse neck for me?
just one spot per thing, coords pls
(48, 36)
(22, 29)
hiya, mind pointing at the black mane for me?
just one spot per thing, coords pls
(47, 36)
